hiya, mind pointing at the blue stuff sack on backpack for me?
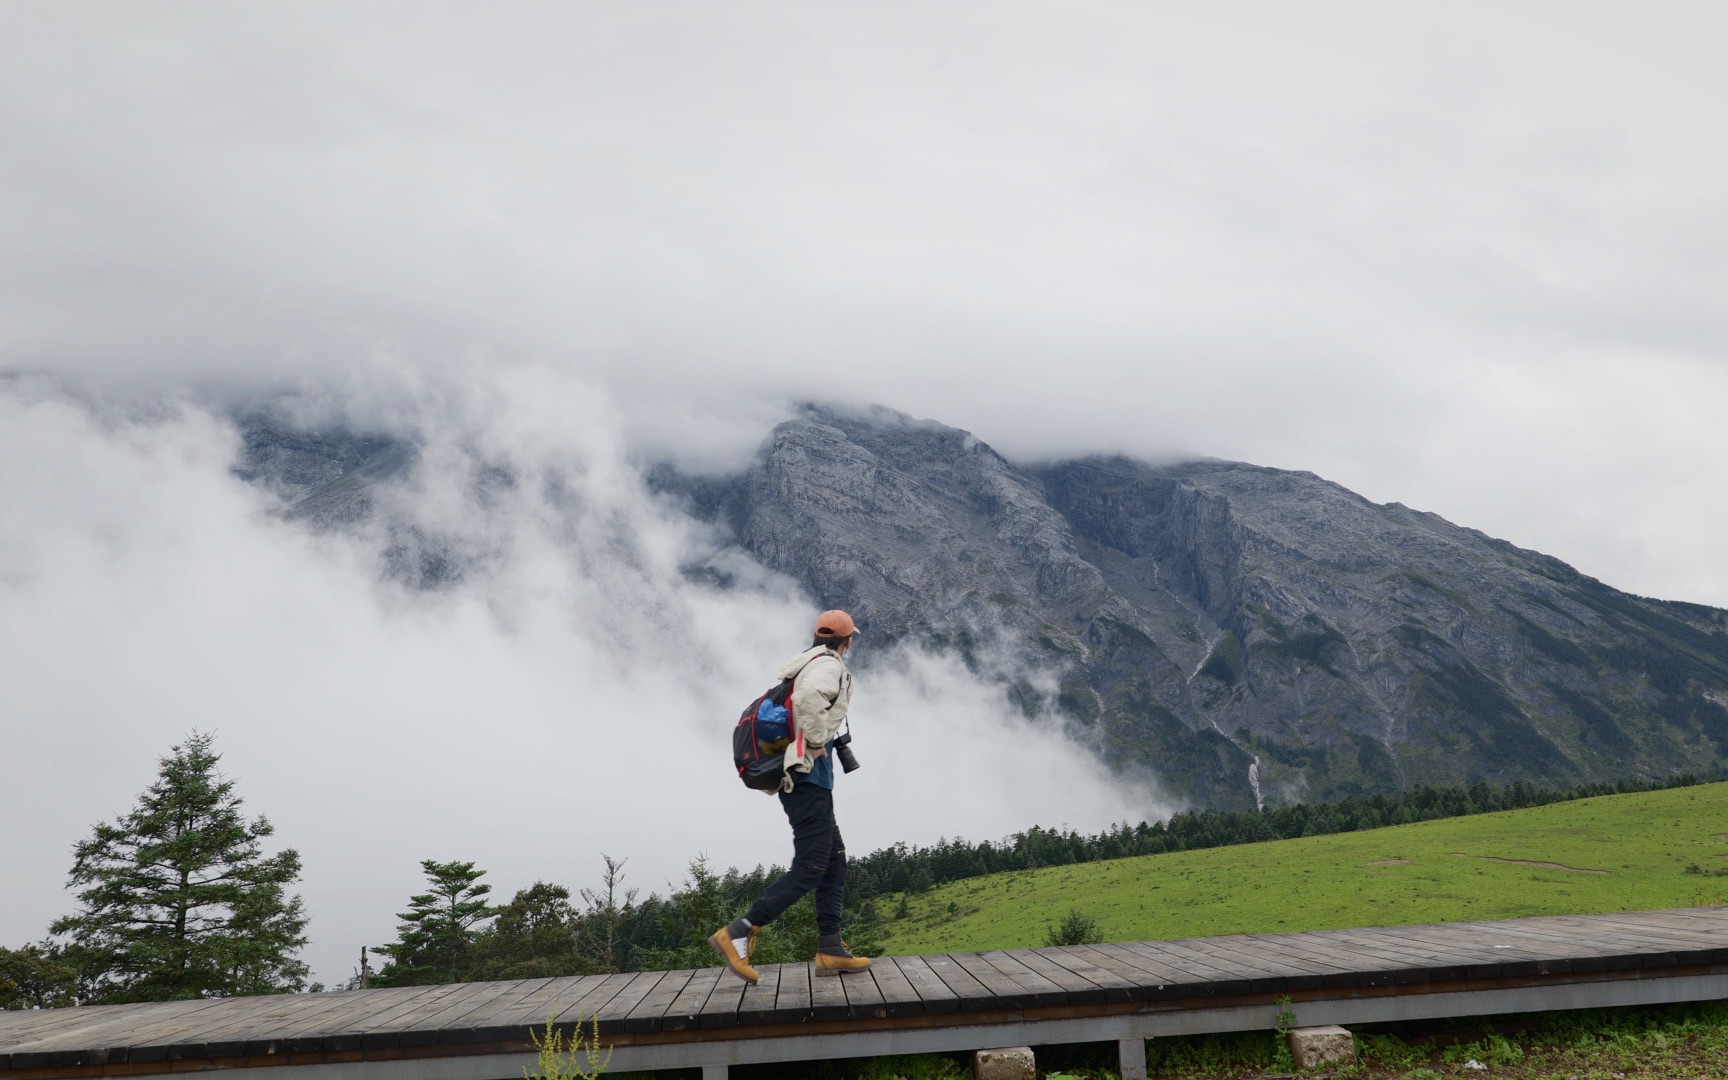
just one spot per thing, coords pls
(771, 726)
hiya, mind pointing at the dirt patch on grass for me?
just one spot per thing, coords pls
(1406, 862)
(1532, 862)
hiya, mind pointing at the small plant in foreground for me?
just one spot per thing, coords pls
(580, 1059)
(1281, 1029)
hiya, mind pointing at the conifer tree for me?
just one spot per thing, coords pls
(435, 933)
(179, 899)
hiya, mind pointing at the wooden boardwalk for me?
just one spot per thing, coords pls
(1123, 993)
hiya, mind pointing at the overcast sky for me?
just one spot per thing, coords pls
(1469, 257)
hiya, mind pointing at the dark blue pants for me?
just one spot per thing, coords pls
(818, 861)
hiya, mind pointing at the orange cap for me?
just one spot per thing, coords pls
(836, 624)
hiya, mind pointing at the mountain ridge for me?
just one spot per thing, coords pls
(1242, 632)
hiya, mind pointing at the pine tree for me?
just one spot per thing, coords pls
(435, 933)
(606, 911)
(179, 900)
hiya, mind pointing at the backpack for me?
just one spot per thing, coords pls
(759, 740)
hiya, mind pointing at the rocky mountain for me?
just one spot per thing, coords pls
(1244, 633)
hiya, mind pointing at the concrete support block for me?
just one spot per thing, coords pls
(1313, 1047)
(1131, 1056)
(1008, 1063)
(714, 1072)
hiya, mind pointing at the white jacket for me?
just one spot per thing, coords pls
(821, 693)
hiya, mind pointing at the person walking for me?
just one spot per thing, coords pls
(821, 693)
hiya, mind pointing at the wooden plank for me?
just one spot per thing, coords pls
(584, 1009)
(1632, 921)
(1668, 921)
(1044, 991)
(863, 998)
(1078, 988)
(17, 1024)
(646, 1015)
(385, 1028)
(685, 1012)
(1472, 943)
(969, 994)
(317, 1019)
(1156, 980)
(1430, 942)
(1414, 949)
(1254, 948)
(1275, 974)
(1115, 987)
(561, 999)
(1288, 972)
(1383, 963)
(1200, 971)
(933, 994)
(103, 1027)
(792, 1004)
(1581, 932)
(1672, 937)
(474, 1011)
(613, 1014)
(1714, 920)
(512, 1019)
(757, 1004)
(91, 1027)
(148, 1038)
(422, 1027)
(1652, 949)
(538, 991)
(828, 997)
(1331, 963)
(308, 1028)
(1200, 955)
(1687, 939)
(1446, 953)
(721, 1008)
(1595, 952)
(899, 996)
(224, 1033)
(1005, 992)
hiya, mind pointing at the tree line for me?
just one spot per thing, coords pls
(178, 899)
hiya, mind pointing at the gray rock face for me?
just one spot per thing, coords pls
(1241, 632)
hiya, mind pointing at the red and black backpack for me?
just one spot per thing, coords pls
(762, 764)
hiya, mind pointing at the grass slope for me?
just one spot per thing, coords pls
(1384, 877)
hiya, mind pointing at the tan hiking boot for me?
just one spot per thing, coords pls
(841, 963)
(721, 942)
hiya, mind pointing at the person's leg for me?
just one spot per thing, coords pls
(831, 890)
(810, 809)
(832, 955)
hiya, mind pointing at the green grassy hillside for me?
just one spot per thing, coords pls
(1614, 853)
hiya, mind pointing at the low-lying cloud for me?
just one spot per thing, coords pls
(570, 693)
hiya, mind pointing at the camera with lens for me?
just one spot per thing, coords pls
(842, 747)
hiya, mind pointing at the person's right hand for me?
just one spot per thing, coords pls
(821, 752)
